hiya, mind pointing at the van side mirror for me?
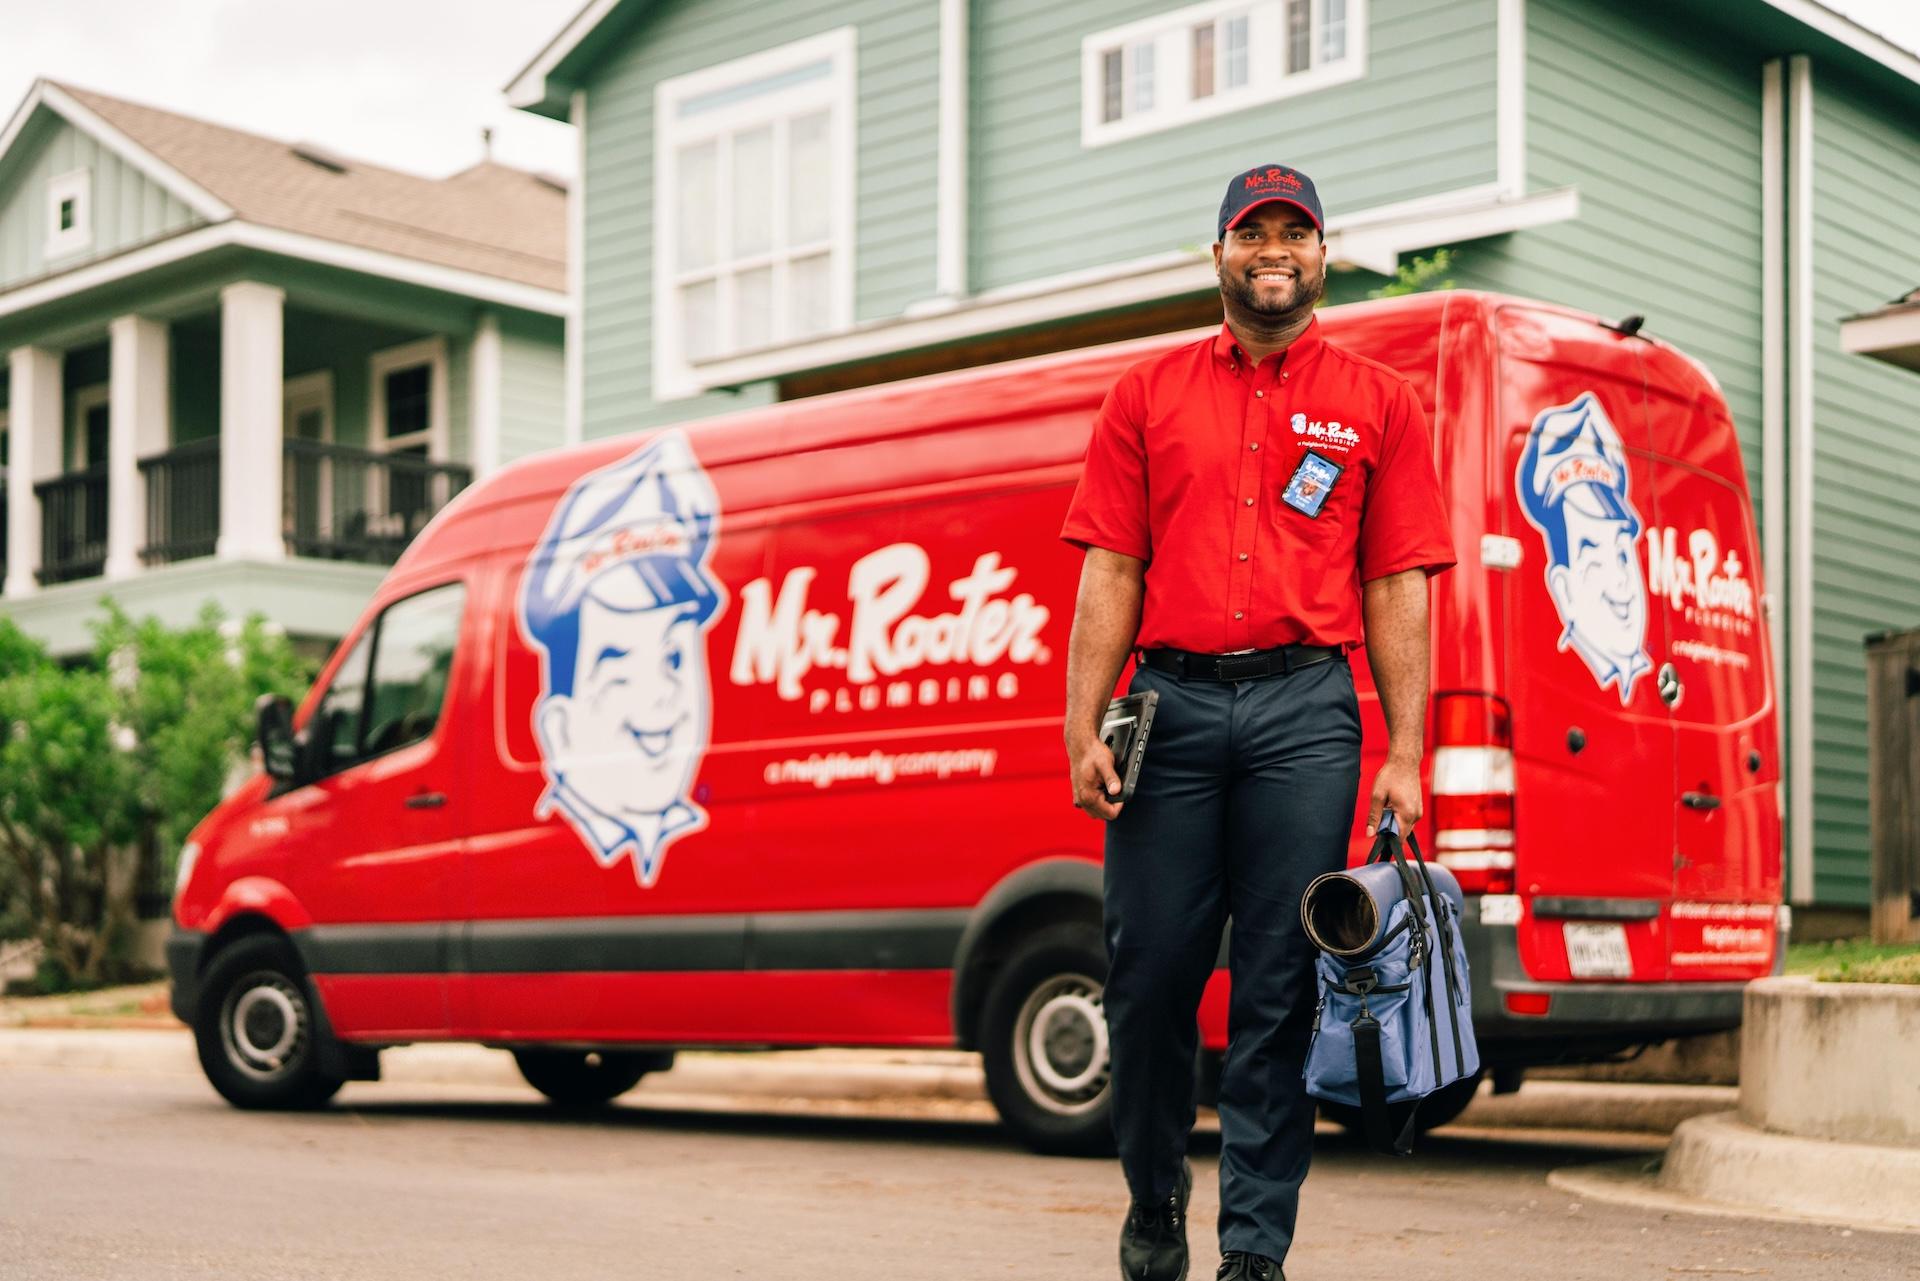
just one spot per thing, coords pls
(273, 716)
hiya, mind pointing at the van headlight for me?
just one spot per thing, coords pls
(189, 855)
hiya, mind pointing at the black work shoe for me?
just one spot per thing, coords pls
(1153, 1241)
(1236, 1265)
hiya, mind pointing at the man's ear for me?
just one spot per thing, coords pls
(1216, 257)
(1560, 587)
(550, 726)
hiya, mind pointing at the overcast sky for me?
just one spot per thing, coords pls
(405, 83)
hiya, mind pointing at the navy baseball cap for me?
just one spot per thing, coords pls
(1264, 184)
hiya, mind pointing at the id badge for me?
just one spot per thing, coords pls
(1312, 481)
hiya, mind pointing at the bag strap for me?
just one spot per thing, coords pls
(1375, 1123)
(1443, 927)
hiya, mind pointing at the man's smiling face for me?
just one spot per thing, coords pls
(629, 737)
(1273, 266)
(1600, 591)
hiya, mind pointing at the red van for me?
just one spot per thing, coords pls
(747, 733)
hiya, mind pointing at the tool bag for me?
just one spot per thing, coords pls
(1394, 1021)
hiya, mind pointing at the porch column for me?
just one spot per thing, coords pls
(251, 378)
(137, 417)
(483, 398)
(33, 429)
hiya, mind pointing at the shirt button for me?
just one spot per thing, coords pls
(1260, 393)
(1255, 446)
(1238, 614)
(1249, 502)
(1243, 555)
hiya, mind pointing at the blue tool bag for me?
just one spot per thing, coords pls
(1394, 1022)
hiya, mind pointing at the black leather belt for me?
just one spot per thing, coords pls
(1239, 667)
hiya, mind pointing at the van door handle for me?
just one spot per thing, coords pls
(1700, 800)
(426, 800)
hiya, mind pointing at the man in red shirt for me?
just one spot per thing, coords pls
(1253, 506)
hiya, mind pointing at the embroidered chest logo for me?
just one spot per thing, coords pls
(1332, 435)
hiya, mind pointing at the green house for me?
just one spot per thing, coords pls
(248, 371)
(780, 201)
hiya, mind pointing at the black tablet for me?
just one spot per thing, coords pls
(1124, 731)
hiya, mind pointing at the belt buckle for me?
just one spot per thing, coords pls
(1233, 667)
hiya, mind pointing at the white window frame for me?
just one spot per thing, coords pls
(76, 185)
(431, 352)
(92, 397)
(1172, 35)
(311, 391)
(674, 376)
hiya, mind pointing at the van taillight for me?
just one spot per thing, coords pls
(1473, 791)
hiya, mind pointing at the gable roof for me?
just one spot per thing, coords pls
(491, 218)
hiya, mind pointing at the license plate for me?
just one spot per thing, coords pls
(1598, 951)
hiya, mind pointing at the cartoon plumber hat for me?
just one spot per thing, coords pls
(634, 535)
(1574, 453)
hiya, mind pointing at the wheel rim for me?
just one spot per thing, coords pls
(1060, 1048)
(263, 1026)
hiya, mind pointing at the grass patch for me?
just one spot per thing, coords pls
(1855, 961)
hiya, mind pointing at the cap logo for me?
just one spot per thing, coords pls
(1284, 179)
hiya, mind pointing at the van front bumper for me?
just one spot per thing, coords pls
(184, 949)
(1584, 1021)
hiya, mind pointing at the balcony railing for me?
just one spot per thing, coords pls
(183, 502)
(343, 503)
(5, 524)
(73, 525)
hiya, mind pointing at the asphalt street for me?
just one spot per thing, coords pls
(109, 1175)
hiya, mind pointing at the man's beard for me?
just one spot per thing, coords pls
(1240, 294)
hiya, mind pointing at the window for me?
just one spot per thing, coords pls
(69, 213)
(1212, 58)
(408, 420)
(753, 209)
(388, 692)
(88, 435)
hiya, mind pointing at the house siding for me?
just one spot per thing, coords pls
(1866, 187)
(896, 61)
(533, 386)
(128, 208)
(1421, 121)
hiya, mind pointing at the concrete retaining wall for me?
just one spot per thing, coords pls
(1832, 1060)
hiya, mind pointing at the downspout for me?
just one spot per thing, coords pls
(575, 356)
(1773, 382)
(1800, 477)
(950, 266)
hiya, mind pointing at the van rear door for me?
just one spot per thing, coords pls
(1703, 576)
(1593, 743)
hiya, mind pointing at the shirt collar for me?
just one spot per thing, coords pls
(1227, 349)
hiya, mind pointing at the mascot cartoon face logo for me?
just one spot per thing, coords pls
(617, 598)
(1572, 481)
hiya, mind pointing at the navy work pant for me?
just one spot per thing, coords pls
(1246, 794)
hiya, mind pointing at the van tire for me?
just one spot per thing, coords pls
(587, 1078)
(1062, 1103)
(1442, 1107)
(258, 1029)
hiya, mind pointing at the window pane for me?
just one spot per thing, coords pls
(1333, 31)
(714, 99)
(1112, 83)
(1234, 72)
(1140, 94)
(752, 202)
(809, 180)
(338, 718)
(409, 396)
(95, 442)
(753, 308)
(810, 295)
(1299, 35)
(698, 178)
(700, 319)
(1203, 60)
(66, 214)
(410, 668)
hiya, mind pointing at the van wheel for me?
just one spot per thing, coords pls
(1043, 1042)
(258, 1039)
(587, 1078)
(1442, 1107)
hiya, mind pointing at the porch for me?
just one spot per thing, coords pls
(253, 431)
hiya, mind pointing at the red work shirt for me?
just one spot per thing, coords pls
(1192, 464)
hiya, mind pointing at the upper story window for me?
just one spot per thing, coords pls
(753, 205)
(69, 213)
(1212, 58)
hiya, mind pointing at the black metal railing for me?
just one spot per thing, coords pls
(183, 502)
(342, 503)
(73, 525)
(6, 524)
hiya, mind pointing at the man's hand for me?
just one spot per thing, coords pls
(1395, 787)
(1094, 781)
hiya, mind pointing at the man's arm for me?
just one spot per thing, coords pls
(1395, 610)
(1106, 620)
